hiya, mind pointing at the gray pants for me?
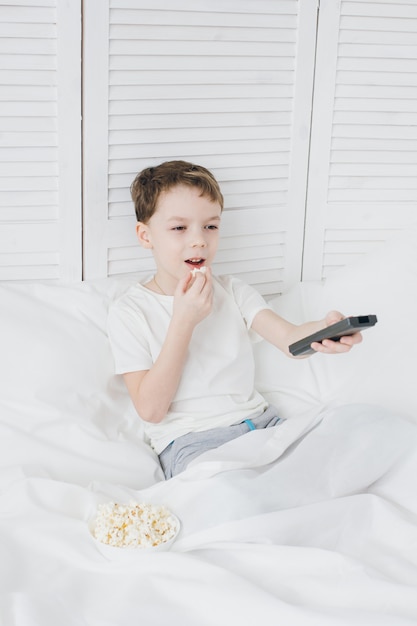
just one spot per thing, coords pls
(176, 456)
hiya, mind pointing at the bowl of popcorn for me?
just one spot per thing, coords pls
(124, 530)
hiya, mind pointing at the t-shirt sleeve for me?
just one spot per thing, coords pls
(127, 333)
(248, 299)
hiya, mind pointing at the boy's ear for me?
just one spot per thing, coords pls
(142, 233)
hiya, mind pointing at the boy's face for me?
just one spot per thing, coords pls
(183, 233)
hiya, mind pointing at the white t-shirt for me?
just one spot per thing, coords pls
(217, 384)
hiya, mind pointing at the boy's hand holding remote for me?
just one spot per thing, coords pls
(345, 331)
(328, 346)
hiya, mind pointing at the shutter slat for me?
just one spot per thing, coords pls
(40, 238)
(364, 145)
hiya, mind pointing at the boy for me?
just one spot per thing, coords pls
(182, 340)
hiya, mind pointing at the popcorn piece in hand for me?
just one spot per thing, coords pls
(203, 270)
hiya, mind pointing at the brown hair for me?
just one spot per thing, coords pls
(152, 181)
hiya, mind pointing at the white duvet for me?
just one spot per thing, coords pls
(313, 522)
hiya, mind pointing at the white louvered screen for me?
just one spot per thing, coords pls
(363, 168)
(225, 83)
(40, 173)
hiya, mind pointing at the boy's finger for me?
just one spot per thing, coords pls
(185, 282)
(199, 278)
(199, 281)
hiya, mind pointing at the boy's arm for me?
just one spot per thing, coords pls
(153, 390)
(282, 333)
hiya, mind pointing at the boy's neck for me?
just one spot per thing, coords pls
(159, 288)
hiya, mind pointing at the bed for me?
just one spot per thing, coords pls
(314, 522)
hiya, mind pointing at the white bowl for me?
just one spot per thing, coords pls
(122, 553)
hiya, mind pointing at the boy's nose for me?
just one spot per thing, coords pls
(198, 243)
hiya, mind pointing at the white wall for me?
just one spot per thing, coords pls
(307, 117)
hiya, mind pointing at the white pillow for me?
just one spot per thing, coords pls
(55, 351)
(381, 370)
(62, 409)
(289, 384)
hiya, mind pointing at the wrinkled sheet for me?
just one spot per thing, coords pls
(310, 523)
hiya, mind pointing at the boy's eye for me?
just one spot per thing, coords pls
(179, 228)
(211, 227)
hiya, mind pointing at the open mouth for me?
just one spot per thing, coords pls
(195, 262)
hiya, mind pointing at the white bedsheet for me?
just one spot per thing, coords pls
(311, 523)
